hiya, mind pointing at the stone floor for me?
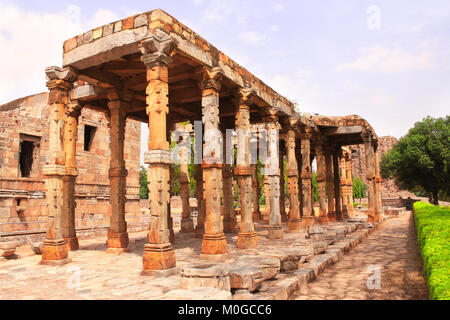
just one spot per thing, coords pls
(94, 274)
(393, 249)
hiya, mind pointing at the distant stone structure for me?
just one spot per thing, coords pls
(24, 147)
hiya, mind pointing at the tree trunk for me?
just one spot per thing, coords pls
(435, 198)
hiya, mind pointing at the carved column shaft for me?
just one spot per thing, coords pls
(306, 176)
(284, 217)
(344, 191)
(229, 214)
(200, 228)
(371, 178)
(292, 176)
(337, 184)
(321, 183)
(187, 224)
(378, 182)
(349, 186)
(330, 185)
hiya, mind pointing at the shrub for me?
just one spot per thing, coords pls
(433, 232)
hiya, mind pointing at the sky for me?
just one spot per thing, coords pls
(387, 61)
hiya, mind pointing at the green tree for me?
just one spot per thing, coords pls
(143, 182)
(315, 187)
(421, 159)
(359, 189)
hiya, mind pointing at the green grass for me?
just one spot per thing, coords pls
(433, 232)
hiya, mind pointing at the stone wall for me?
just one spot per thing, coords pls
(388, 187)
(23, 208)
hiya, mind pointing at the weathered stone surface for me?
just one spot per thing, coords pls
(205, 274)
(270, 266)
(198, 294)
(245, 277)
(319, 246)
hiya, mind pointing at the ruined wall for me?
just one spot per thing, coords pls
(388, 187)
(22, 199)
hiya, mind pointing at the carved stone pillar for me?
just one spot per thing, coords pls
(247, 237)
(371, 177)
(54, 251)
(229, 214)
(284, 217)
(117, 233)
(267, 197)
(214, 243)
(156, 55)
(344, 197)
(337, 183)
(256, 194)
(70, 148)
(272, 172)
(200, 228)
(298, 152)
(295, 222)
(187, 224)
(330, 184)
(321, 183)
(378, 182)
(349, 175)
(306, 176)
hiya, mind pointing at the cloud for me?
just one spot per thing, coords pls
(274, 28)
(253, 38)
(389, 60)
(278, 7)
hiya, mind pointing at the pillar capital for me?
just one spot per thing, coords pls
(57, 75)
(245, 97)
(73, 110)
(157, 49)
(210, 78)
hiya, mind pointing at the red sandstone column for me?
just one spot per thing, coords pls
(371, 176)
(54, 251)
(70, 148)
(337, 184)
(330, 184)
(306, 176)
(156, 55)
(229, 214)
(349, 175)
(321, 183)
(200, 228)
(117, 233)
(272, 172)
(214, 243)
(255, 181)
(284, 217)
(247, 237)
(344, 197)
(294, 224)
(378, 182)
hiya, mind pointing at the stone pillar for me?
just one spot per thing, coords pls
(70, 148)
(54, 251)
(344, 197)
(272, 172)
(349, 175)
(284, 217)
(247, 237)
(117, 233)
(321, 183)
(229, 214)
(298, 152)
(187, 224)
(156, 55)
(371, 177)
(294, 224)
(378, 182)
(306, 176)
(214, 243)
(337, 184)
(267, 197)
(330, 184)
(256, 194)
(200, 228)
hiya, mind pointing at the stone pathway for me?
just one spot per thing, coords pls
(392, 249)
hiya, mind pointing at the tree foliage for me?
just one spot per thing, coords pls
(143, 183)
(421, 159)
(359, 189)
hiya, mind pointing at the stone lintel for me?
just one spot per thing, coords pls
(54, 170)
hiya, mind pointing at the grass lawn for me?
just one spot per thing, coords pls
(433, 231)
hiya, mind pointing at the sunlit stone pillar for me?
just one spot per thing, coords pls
(378, 182)
(200, 227)
(187, 224)
(255, 181)
(214, 243)
(371, 176)
(229, 214)
(321, 183)
(298, 152)
(349, 175)
(344, 197)
(306, 176)
(73, 112)
(272, 172)
(294, 223)
(156, 55)
(330, 184)
(337, 183)
(247, 237)
(117, 233)
(54, 251)
(284, 217)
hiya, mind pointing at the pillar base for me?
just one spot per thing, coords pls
(323, 219)
(229, 226)
(187, 225)
(54, 252)
(158, 257)
(117, 240)
(275, 232)
(72, 244)
(307, 221)
(214, 243)
(294, 225)
(247, 240)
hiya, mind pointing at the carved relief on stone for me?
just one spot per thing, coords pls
(157, 48)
